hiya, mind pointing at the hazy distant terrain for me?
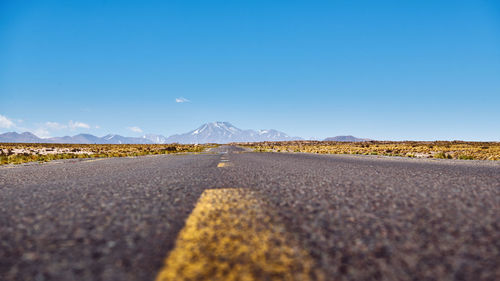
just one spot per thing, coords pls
(27, 137)
(215, 132)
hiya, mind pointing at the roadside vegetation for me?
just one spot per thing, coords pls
(437, 149)
(18, 153)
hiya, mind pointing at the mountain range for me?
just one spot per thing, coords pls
(28, 137)
(215, 132)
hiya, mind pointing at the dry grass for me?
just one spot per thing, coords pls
(436, 149)
(17, 153)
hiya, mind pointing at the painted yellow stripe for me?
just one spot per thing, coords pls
(232, 235)
(93, 160)
(223, 164)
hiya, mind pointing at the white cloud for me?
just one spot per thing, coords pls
(6, 122)
(44, 130)
(135, 129)
(71, 125)
(42, 133)
(181, 99)
(78, 125)
(55, 126)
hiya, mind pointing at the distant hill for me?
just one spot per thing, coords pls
(215, 132)
(80, 138)
(16, 137)
(346, 139)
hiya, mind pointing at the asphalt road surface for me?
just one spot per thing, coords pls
(323, 217)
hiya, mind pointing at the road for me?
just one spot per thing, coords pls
(261, 215)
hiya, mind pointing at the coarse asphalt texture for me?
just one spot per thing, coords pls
(358, 217)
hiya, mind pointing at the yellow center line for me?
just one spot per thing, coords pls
(93, 160)
(232, 235)
(224, 164)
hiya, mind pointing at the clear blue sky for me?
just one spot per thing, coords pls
(398, 70)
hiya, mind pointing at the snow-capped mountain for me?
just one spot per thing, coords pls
(159, 139)
(225, 132)
(216, 132)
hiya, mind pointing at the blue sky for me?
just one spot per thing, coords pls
(421, 70)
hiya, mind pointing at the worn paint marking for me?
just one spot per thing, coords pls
(232, 235)
(222, 164)
(93, 160)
